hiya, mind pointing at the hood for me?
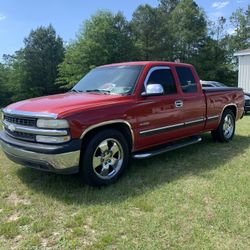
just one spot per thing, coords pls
(64, 103)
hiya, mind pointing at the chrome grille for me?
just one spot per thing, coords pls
(20, 135)
(30, 122)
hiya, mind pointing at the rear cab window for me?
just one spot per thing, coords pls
(187, 79)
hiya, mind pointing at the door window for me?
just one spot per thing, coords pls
(165, 78)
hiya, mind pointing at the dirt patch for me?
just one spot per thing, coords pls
(14, 217)
(18, 238)
(44, 242)
(16, 200)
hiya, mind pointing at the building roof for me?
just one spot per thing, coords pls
(242, 52)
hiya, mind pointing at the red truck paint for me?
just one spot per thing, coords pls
(86, 110)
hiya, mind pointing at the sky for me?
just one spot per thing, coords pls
(18, 17)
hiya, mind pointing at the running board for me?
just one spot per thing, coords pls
(168, 147)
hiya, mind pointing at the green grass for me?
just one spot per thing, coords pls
(193, 198)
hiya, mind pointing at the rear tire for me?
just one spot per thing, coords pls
(105, 158)
(226, 128)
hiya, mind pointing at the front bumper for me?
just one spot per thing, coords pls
(60, 158)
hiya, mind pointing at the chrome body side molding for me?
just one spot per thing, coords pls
(162, 128)
(195, 121)
(171, 127)
(214, 117)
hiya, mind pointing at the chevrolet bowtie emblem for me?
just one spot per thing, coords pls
(11, 127)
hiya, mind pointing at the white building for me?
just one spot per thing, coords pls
(244, 69)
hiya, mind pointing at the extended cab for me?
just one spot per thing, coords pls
(115, 112)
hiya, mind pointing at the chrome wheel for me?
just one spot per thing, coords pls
(228, 126)
(107, 158)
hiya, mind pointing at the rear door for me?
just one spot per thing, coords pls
(192, 100)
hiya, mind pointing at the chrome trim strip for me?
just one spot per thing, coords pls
(36, 131)
(173, 126)
(212, 117)
(161, 128)
(151, 71)
(142, 156)
(195, 121)
(20, 113)
(58, 161)
(108, 123)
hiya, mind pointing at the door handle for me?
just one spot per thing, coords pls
(178, 104)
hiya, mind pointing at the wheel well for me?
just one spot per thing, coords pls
(121, 127)
(233, 109)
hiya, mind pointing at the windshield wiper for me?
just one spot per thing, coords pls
(98, 90)
(75, 90)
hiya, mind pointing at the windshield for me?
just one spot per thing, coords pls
(118, 80)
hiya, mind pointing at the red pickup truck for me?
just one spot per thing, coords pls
(118, 111)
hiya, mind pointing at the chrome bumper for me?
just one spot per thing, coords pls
(47, 162)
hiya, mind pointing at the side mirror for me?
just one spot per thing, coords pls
(153, 89)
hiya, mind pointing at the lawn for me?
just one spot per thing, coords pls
(193, 198)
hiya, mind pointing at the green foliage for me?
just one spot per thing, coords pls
(32, 71)
(42, 53)
(17, 76)
(174, 30)
(240, 39)
(241, 23)
(4, 88)
(168, 5)
(147, 33)
(214, 53)
(190, 29)
(104, 39)
(211, 63)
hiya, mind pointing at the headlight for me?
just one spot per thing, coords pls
(46, 123)
(52, 139)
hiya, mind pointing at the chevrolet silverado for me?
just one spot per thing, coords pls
(118, 111)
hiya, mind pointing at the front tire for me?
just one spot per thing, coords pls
(226, 128)
(105, 157)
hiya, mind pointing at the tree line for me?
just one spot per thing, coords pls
(174, 30)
